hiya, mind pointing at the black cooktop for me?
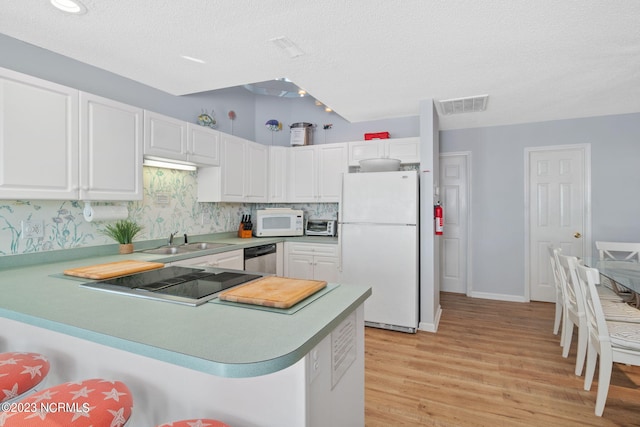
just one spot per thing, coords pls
(181, 282)
(161, 276)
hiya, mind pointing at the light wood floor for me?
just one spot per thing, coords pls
(491, 363)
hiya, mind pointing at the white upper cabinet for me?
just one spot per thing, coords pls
(233, 157)
(38, 138)
(242, 175)
(407, 150)
(315, 172)
(332, 163)
(203, 145)
(257, 172)
(164, 136)
(278, 174)
(78, 146)
(303, 174)
(169, 138)
(110, 149)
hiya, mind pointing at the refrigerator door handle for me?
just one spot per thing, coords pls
(340, 247)
(339, 221)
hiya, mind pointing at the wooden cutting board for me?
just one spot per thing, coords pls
(112, 269)
(272, 291)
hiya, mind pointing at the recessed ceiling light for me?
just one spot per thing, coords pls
(70, 6)
(191, 58)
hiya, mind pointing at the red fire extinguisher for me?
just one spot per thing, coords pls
(439, 218)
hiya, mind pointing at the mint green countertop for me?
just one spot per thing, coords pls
(219, 339)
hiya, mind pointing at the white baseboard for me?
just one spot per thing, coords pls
(499, 297)
(431, 327)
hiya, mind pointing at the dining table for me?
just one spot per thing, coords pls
(624, 273)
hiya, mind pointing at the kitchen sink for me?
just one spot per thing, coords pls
(186, 248)
(166, 250)
(199, 246)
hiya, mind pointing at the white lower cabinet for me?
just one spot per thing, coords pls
(315, 261)
(232, 260)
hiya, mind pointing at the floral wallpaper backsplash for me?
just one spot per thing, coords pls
(169, 205)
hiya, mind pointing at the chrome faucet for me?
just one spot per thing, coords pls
(171, 237)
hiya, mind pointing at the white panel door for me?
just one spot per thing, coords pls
(407, 150)
(360, 150)
(38, 139)
(278, 173)
(111, 134)
(164, 136)
(204, 145)
(332, 163)
(454, 241)
(557, 200)
(299, 266)
(303, 174)
(233, 158)
(257, 177)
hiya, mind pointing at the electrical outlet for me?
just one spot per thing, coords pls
(32, 229)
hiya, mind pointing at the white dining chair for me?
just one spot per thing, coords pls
(614, 342)
(574, 310)
(559, 294)
(616, 251)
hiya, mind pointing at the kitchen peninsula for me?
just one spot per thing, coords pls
(244, 366)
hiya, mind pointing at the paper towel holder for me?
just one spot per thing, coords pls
(89, 210)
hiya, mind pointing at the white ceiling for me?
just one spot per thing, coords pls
(367, 59)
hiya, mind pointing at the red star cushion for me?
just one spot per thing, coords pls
(94, 402)
(20, 372)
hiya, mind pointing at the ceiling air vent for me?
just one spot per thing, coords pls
(470, 104)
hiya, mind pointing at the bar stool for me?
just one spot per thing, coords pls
(197, 422)
(20, 374)
(94, 402)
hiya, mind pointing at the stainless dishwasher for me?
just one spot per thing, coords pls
(260, 259)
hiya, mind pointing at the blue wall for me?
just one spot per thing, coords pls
(497, 181)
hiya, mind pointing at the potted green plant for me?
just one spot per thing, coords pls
(123, 232)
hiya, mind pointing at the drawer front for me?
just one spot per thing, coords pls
(326, 249)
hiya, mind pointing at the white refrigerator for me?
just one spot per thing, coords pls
(379, 238)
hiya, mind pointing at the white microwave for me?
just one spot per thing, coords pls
(278, 222)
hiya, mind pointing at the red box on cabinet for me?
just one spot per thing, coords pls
(377, 135)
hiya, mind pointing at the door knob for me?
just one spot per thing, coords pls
(577, 235)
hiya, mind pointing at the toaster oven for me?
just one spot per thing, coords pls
(321, 227)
